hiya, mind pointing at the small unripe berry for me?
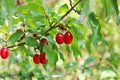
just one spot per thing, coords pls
(43, 41)
(35, 34)
(62, 28)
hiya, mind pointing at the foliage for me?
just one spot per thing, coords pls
(93, 53)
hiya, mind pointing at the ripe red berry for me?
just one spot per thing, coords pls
(36, 58)
(43, 41)
(4, 53)
(43, 59)
(68, 37)
(59, 38)
(35, 34)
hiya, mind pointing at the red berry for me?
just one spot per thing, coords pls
(59, 38)
(4, 53)
(68, 37)
(43, 41)
(34, 34)
(36, 58)
(43, 60)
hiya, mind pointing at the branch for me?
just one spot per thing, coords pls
(8, 75)
(67, 13)
(20, 44)
(48, 19)
(52, 26)
(79, 12)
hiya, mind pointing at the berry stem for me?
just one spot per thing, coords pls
(55, 25)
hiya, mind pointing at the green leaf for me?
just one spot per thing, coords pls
(51, 55)
(76, 43)
(118, 20)
(8, 10)
(32, 6)
(61, 56)
(15, 37)
(30, 41)
(88, 44)
(96, 28)
(63, 8)
(10, 6)
(36, 7)
(88, 60)
(108, 74)
(87, 6)
(109, 10)
(69, 65)
(115, 5)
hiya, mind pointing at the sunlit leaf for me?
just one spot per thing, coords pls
(15, 37)
(63, 8)
(30, 41)
(108, 74)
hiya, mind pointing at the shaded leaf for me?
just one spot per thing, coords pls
(96, 28)
(118, 20)
(115, 5)
(108, 8)
(88, 60)
(61, 56)
(51, 55)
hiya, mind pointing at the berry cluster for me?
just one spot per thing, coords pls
(64, 38)
(4, 53)
(40, 58)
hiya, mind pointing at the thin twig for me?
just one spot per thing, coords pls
(52, 26)
(48, 19)
(79, 12)
(67, 13)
